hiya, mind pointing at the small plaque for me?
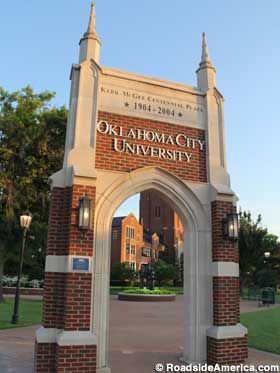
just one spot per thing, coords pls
(80, 264)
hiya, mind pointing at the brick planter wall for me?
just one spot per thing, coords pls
(24, 291)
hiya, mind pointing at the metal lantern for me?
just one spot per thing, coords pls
(84, 213)
(267, 254)
(231, 226)
(25, 220)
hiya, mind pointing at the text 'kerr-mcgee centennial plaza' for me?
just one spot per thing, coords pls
(127, 134)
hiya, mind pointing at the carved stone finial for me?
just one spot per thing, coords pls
(92, 25)
(205, 53)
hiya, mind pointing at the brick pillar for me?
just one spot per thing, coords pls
(227, 339)
(65, 342)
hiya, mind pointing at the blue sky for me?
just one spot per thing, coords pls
(163, 39)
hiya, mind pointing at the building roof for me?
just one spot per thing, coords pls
(117, 221)
(147, 236)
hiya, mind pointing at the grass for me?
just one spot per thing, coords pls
(263, 329)
(30, 313)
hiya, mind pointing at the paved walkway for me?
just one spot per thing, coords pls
(140, 335)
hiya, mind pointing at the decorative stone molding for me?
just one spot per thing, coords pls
(64, 263)
(76, 338)
(220, 269)
(46, 335)
(65, 338)
(198, 273)
(224, 332)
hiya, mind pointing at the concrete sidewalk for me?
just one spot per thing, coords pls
(141, 334)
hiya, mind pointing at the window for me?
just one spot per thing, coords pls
(132, 250)
(133, 266)
(128, 248)
(146, 252)
(115, 234)
(157, 211)
(130, 232)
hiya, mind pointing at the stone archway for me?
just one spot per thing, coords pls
(197, 243)
(172, 140)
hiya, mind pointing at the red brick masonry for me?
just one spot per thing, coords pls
(108, 159)
(223, 250)
(64, 238)
(76, 359)
(225, 301)
(44, 357)
(67, 301)
(227, 351)
(67, 296)
(225, 293)
(50, 358)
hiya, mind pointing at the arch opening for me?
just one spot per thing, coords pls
(197, 305)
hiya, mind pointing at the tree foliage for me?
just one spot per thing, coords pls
(164, 272)
(123, 273)
(32, 137)
(254, 242)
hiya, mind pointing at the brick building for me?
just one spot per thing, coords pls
(157, 216)
(128, 243)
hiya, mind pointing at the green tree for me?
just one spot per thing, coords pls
(123, 273)
(32, 137)
(254, 242)
(164, 272)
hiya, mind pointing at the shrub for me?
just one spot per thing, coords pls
(24, 282)
(122, 272)
(164, 272)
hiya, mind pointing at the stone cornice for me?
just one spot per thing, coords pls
(150, 80)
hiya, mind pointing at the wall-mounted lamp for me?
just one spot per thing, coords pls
(84, 213)
(231, 226)
(267, 254)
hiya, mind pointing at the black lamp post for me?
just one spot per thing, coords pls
(231, 226)
(84, 213)
(25, 221)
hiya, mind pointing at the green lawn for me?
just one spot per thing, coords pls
(263, 329)
(30, 313)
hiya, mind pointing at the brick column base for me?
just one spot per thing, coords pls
(231, 351)
(44, 357)
(60, 351)
(52, 358)
(76, 359)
